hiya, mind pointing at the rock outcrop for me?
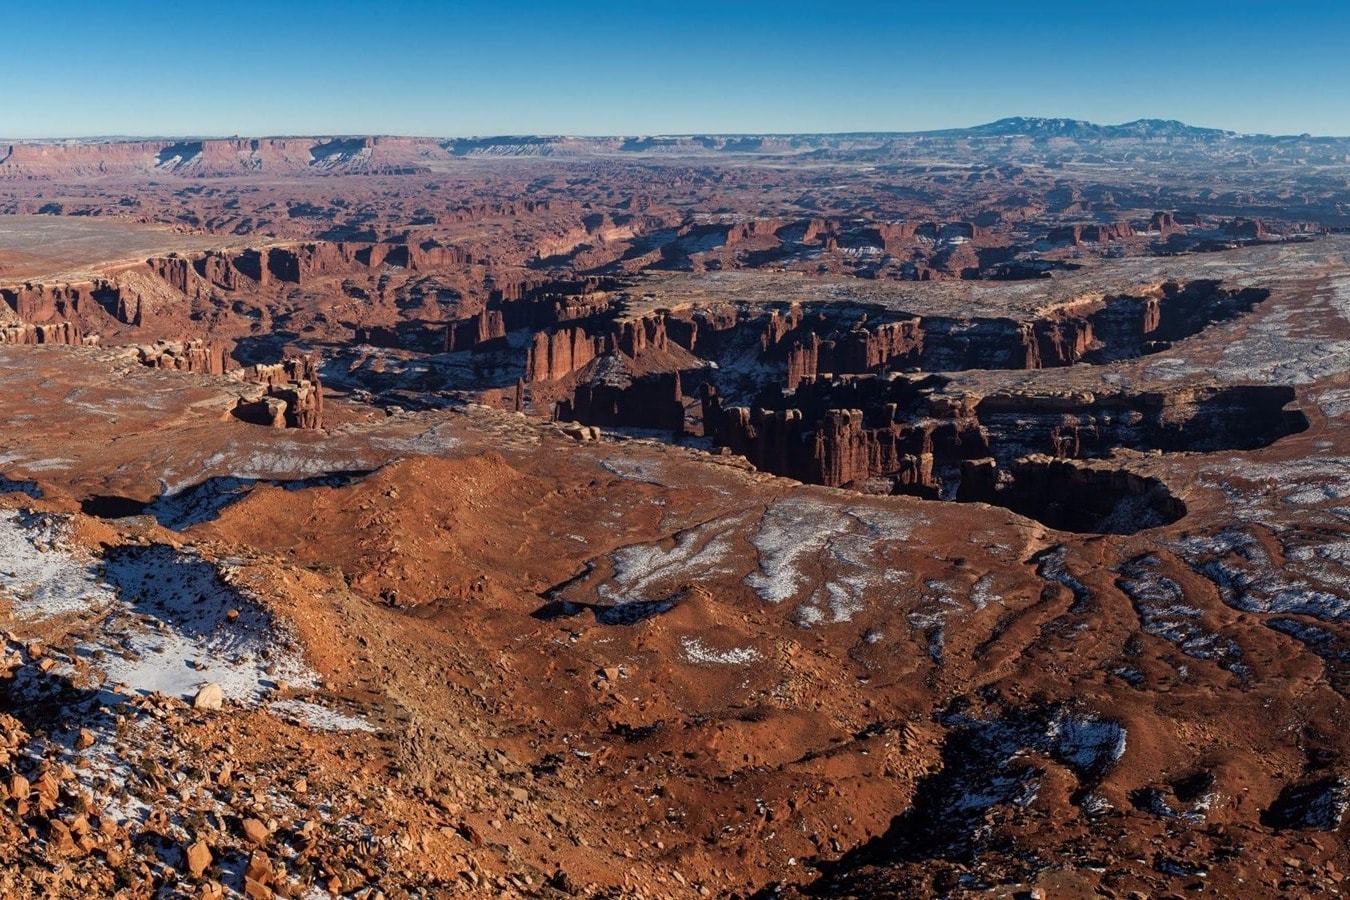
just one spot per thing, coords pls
(58, 333)
(895, 434)
(198, 355)
(1093, 233)
(221, 157)
(292, 397)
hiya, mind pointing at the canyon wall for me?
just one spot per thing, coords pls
(221, 157)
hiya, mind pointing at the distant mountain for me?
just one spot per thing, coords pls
(1022, 126)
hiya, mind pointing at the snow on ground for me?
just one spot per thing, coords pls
(432, 442)
(698, 652)
(1249, 580)
(790, 531)
(987, 766)
(633, 470)
(181, 625)
(801, 541)
(936, 604)
(643, 572)
(319, 717)
(982, 593)
(1163, 611)
(1321, 641)
(1088, 744)
(47, 464)
(168, 621)
(279, 459)
(41, 573)
(1334, 403)
(205, 500)
(162, 622)
(1286, 344)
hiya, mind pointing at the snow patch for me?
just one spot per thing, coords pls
(180, 625)
(320, 718)
(798, 537)
(41, 571)
(695, 651)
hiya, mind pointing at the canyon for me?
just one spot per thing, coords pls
(808, 515)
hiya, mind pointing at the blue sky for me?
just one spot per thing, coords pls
(511, 67)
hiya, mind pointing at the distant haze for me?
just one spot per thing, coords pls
(422, 67)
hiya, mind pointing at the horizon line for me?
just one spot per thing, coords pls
(131, 138)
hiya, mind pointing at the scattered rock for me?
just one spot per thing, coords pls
(255, 831)
(209, 697)
(197, 858)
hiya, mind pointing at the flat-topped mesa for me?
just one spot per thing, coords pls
(822, 348)
(57, 333)
(755, 232)
(221, 157)
(1136, 324)
(885, 347)
(41, 303)
(1091, 233)
(628, 375)
(816, 346)
(293, 393)
(780, 323)
(1093, 329)
(1197, 418)
(538, 304)
(911, 250)
(554, 355)
(1164, 223)
(618, 397)
(889, 237)
(479, 331)
(196, 355)
(239, 269)
(1247, 229)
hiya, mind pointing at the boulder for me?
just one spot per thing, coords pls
(209, 697)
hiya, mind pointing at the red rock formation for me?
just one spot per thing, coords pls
(553, 356)
(176, 270)
(295, 382)
(57, 333)
(207, 357)
(1247, 229)
(1164, 223)
(758, 232)
(1090, 234)
(644, 401)
(43, 303)
(470, 334)
(634, 336)
(844, 446)
(779, 325)
(883, 348)
(1060, 339)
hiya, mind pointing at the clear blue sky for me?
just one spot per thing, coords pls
(646, 66)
